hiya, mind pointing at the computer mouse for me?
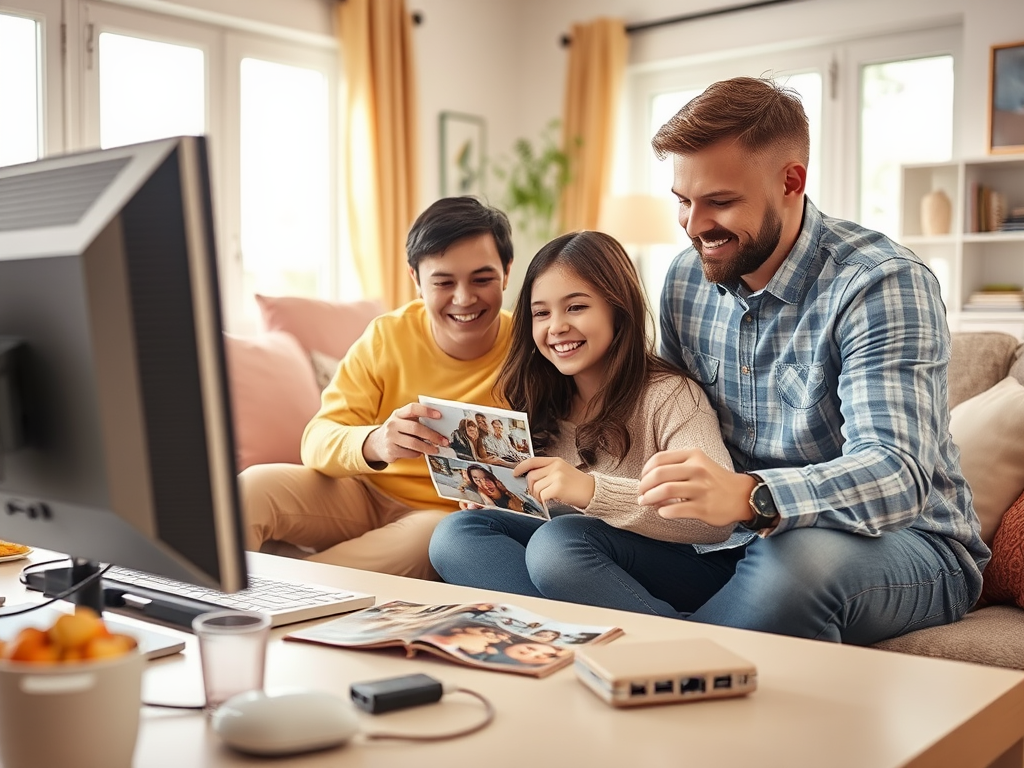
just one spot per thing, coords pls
(285, 723)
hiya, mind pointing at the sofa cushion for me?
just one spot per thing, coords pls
(986, 636)
(325, 326)
(273, 396)
(324, 368)
(977, 361)
(988, 429)
(1004, 576)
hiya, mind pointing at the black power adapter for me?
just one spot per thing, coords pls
(377, 696)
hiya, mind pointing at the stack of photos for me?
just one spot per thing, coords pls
(486, 444)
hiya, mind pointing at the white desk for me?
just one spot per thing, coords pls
(817, 704)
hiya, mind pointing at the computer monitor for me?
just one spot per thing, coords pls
(116, 441)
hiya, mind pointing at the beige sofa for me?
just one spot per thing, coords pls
(277, 377)
(988, 425)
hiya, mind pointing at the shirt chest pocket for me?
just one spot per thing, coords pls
(800, 386)
(702, 368)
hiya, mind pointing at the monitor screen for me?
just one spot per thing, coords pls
(116, 443)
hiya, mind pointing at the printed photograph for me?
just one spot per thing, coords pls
(486, 444)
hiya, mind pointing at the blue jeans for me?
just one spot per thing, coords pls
(808, 582)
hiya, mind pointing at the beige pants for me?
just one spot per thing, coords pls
(345, 521)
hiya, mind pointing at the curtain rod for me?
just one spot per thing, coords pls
(645, 25)
(416, 16)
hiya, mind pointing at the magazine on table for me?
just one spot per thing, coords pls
(502, 638)
(486, 444)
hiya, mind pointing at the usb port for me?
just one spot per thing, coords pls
(691, 685)
(637, 689)
(723, 681)
(663, 686)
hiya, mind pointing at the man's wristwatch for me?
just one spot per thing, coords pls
(762, 505)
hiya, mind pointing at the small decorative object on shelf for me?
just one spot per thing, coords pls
(936, 213)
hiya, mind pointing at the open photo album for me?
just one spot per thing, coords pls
(486, 444)
(501, 638)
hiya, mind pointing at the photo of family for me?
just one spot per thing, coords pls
(485, 446)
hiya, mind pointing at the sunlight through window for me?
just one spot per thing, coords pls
(149, 90)
(20, 127)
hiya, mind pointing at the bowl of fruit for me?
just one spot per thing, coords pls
(69, 694)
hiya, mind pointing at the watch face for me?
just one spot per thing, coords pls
(762, 499)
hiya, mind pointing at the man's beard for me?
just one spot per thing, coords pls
(748, 258)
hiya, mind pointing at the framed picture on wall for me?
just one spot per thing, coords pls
(463, 153)
(1006, 99)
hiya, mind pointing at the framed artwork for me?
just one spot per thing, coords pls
(1006, 99)
(463, 153)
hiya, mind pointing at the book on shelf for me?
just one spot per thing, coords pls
(492, 636)
(996, 298)
(988, 209)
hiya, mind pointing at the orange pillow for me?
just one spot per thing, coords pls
(1004, 575)
(322, 326)
(273, 396)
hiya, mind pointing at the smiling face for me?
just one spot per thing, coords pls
(497, 428)
(462, 291)
(481, 421)
(739, 210)
(472, 431)
(484, 483)
(533, 653)
(573, 325)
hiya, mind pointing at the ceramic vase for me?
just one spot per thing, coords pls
(936, 213)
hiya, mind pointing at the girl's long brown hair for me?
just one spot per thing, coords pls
(529, 382)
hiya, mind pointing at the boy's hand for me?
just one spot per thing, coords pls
(552, 479)
(402, 436)
(686, 483)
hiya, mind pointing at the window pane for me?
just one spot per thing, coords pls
(285, 181)
(20, 127)
(906, 117)
(149, 90)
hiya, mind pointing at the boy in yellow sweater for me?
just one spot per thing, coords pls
(363, 497)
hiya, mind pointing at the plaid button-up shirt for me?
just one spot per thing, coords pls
(830, 383)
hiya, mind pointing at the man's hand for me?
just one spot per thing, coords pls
(686, 483)
(551, 479)
(403, 437)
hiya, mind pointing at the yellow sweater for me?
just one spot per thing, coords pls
(394, 362)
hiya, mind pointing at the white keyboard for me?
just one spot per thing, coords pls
(286, 602)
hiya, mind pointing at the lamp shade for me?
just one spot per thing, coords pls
(640, 219)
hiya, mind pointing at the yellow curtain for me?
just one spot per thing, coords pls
(597, 66)
(378, 138)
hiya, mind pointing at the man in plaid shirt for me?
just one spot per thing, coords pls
(824, 347)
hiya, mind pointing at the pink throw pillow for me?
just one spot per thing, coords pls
(321, 326)
(273, 396)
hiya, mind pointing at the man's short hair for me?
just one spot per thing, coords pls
(757, 112)
(451, 219)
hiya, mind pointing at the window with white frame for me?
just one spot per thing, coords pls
(871, 105)
(265, 103)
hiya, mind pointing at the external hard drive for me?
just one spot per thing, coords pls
(663, 672)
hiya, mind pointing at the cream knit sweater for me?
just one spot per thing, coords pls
(673, 413)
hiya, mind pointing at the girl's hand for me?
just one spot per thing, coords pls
(552, 479)
(469, 505)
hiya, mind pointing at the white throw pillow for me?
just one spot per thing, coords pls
(989, 430)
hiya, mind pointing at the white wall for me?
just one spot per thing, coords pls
(502, 58)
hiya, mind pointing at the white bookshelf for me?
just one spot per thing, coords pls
(965, 260)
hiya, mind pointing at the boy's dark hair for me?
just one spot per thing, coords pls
(757, 112)
(451, 219)
(529, 382)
